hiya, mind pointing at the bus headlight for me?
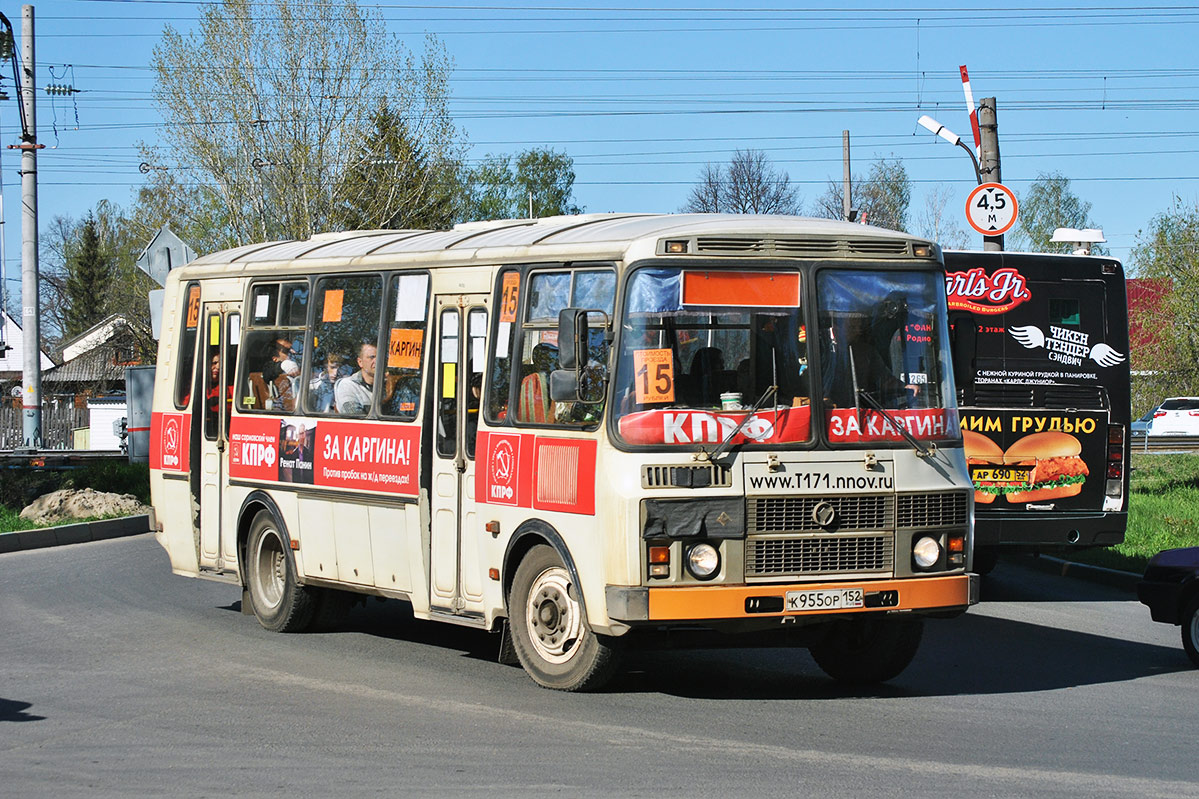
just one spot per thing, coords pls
(703, 561)
(926, 552)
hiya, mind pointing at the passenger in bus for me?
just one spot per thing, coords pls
(534, 401)
(707, 379)
(280, 373)
(213, 393)
(352, 394)
(776, 363)
(321, 389)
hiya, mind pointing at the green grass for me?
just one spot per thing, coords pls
(11, 521)
(1163, 512)
(18, 487)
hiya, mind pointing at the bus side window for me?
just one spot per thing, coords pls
(476, 346)
(407, 308)
(346, 326)
(549, 293)
(271, 371)
(187, 346)
(499, 376)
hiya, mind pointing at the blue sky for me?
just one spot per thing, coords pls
(642, 96)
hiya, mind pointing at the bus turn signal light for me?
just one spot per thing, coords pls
(659, 561)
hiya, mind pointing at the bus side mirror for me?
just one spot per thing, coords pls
(573, 335)
(579, 372)
(564, 385)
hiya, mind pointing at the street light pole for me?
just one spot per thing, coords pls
(30, 323)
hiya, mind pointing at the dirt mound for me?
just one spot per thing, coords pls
(80, 503)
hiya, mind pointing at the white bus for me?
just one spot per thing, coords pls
(586, 433)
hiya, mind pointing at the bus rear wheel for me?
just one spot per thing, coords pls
(278, 600)
(866, 651)
(552, 639)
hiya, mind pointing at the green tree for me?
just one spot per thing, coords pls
(391, 184)
(106, 237)
(269, 105)
(881, 198)
(89, 273)
(749, 184)
(1169, 251)
(1049, 204)
(547, 179)
(501, 186)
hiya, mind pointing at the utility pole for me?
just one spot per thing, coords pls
(988, 159)
(846, 180)
(31, 401)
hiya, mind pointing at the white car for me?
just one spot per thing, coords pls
(1176, 416)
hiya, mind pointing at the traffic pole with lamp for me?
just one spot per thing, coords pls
(948, 135)
(991, 208)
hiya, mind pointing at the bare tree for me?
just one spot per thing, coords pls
(267, 107)
(706, 195)
(881, 199)
(936, 224)
(750, 184)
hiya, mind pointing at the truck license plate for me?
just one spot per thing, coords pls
(838, 599)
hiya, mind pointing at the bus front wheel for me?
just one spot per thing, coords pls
(278, 600)
(865, 651)
(552, 639)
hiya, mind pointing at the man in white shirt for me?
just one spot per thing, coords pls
(354, 393)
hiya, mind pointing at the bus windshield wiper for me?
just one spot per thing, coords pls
(724, 445)
(921, 450)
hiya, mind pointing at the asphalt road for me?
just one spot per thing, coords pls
(119, 678)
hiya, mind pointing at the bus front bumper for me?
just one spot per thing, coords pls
(692, 603)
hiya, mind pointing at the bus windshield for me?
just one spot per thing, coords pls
(884, 355)
(699, 350)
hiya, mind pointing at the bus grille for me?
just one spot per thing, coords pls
(945, 509)
(794, 514)
(819, 555)
(816, 247)
(686, 476)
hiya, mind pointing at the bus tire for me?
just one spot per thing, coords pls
(866, 651)
(278, 600)
(552, 639)
(1190, 629)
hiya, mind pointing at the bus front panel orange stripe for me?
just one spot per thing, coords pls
(728, 602)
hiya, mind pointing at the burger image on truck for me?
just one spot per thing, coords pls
(985, 460)
(1036, 468)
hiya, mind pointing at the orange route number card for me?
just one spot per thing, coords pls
(509, 297)
(654, 376)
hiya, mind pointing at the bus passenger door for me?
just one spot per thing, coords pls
(222, 333)
(456, 579)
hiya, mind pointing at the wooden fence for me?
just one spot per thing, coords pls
(59, 423)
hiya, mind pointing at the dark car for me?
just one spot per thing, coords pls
(1171, 590)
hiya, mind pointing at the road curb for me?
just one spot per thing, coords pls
(1125, 581)
(74, 533)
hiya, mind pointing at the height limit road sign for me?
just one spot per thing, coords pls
(991, 209)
